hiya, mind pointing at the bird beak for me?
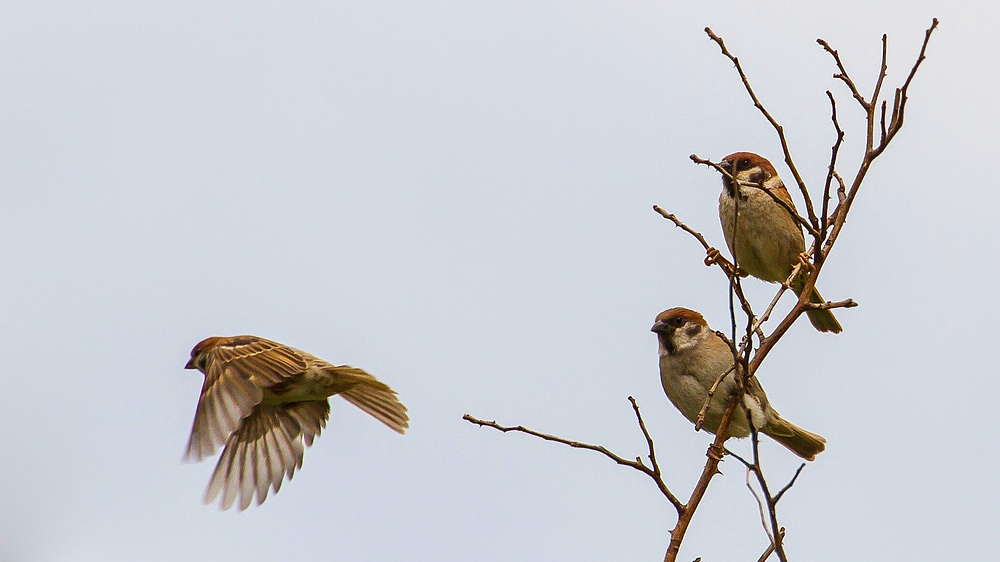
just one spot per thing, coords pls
(727, 166)
(659, 327)
(190, 364)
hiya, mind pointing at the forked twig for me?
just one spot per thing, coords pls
(652, 471)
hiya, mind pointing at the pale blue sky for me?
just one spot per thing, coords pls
(457, 197)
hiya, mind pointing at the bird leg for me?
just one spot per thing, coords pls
(807, 265)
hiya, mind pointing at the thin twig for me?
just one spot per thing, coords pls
(673, 218)
(899, 103)
(842, 75)
(831, 172)
(713, 256)
(785, 285)
(779, 548)
(708, 400)
(788, 208)
(878, 88)
(790, 483)
(848, 303)
(657, 475)
(637, 464)
(770, 548)
(882, 123)
(760, 506)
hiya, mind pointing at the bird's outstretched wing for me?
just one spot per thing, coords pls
(267, 446)
(236, 371)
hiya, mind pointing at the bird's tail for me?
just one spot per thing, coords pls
(805, 444)
(374, 397)
(822, 320)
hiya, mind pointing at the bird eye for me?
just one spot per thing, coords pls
(744, 164)
(677, 321)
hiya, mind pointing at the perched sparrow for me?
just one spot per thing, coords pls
(263, 399)
(769, 241)
(692, 357)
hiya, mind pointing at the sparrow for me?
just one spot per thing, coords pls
(263, 400)
(692, 357)
(770, 241)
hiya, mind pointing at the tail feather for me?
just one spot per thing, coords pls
(805, 444)
(373, 397)
(381, 405)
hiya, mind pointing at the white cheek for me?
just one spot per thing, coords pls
(684, 342)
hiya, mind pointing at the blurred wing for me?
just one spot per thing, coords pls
(238, 368)
(266, 447)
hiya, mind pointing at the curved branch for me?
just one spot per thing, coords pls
(653, 472)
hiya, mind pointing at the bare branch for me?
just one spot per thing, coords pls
(831, 172)
(842, 75)
(798, 218)
(713, 257)
(708, 400)
(790, 483)
(637, 464)
(715, 453)
(673, 218)
(657, 475)
(882, 124)
(899, 104)
(849, 303)
(878, 88)
(760, 505)
(778, 128)
(785, 285)
(718, 167)
(770, 548)
(775, 536)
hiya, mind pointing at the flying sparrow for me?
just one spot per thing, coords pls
(262, 400)
(770, 241)
(692, 357)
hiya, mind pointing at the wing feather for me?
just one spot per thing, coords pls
(265, 449)
(237, 370)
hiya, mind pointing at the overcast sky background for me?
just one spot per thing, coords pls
(456, 196)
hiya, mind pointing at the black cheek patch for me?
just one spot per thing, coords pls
(728, 185)
(758, 176)
(693, 330)
(667, 342)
